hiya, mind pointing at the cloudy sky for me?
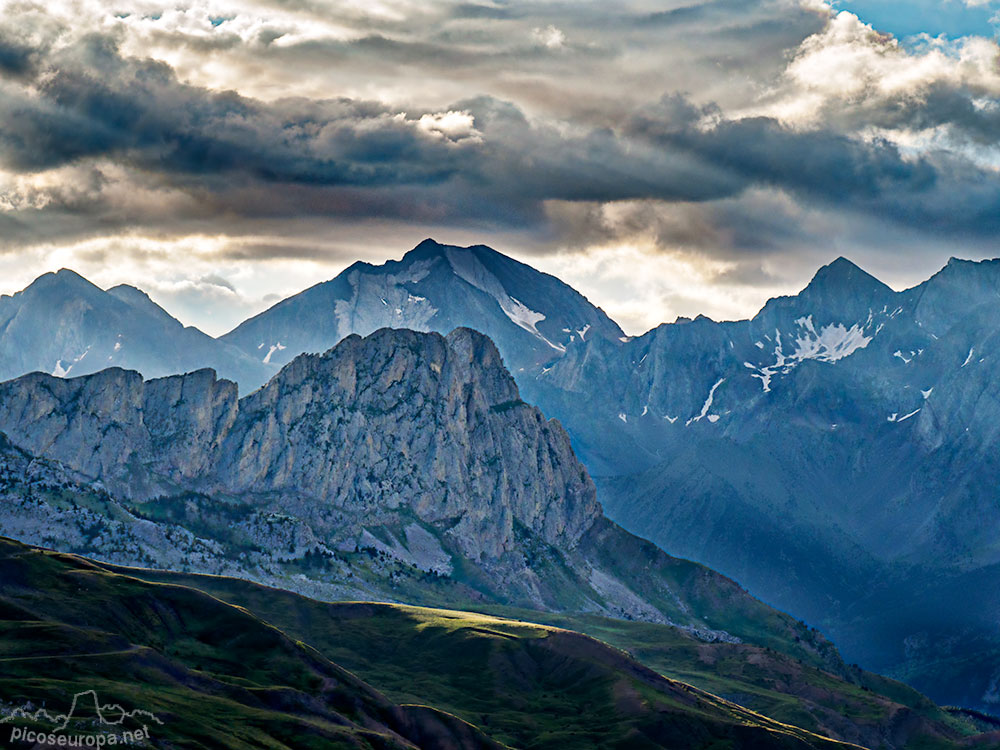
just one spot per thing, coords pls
(665, 158)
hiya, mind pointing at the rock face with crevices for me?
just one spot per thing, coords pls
(399, 420)
(403, 419)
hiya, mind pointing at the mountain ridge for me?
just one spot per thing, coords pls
(63, 324)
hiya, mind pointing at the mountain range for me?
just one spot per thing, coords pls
(401, 466)
(64, 325)
(835, 454)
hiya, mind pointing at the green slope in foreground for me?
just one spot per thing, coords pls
(488, 670)
(218, 676)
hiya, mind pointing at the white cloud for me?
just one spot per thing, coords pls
(452, 125)
(850, 64)
(550, 36)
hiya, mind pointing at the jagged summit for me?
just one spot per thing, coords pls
(425, 249)
(68, 274)
(842, 275)
(839, 292)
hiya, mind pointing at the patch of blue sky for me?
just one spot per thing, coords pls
(908, 19)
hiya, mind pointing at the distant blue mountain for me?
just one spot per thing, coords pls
(64, 325)
(838, 454)
(531, 316)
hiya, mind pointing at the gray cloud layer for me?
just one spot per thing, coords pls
(365, 158)
(710, 125)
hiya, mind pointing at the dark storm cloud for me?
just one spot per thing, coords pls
(137, 113)
(16, 57)
(755, 224)
(233, 156)
(96, 104)
(939, 191)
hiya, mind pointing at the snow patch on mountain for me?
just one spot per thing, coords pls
(708, 405)
(353, 315)
(61, 372)
(468, 268)
(274, 348)
(521, 314)
(831, 343)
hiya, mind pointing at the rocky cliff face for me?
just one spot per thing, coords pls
(403, 419)
(140, 439)
(397, 421)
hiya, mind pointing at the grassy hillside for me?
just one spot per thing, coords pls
(374, 640)
(220, 676)
(213, 675)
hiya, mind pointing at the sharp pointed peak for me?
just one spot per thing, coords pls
(68, 276)
(68, 273)
(840, 266)
(427, 248)
(430, 242)
(431, 247)
(843, 272)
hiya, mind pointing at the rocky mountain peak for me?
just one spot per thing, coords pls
(532, 316)
(840, 292)
(843, 276)
(399, 422)
(60, 285)
(427, 248)
(440, 419)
